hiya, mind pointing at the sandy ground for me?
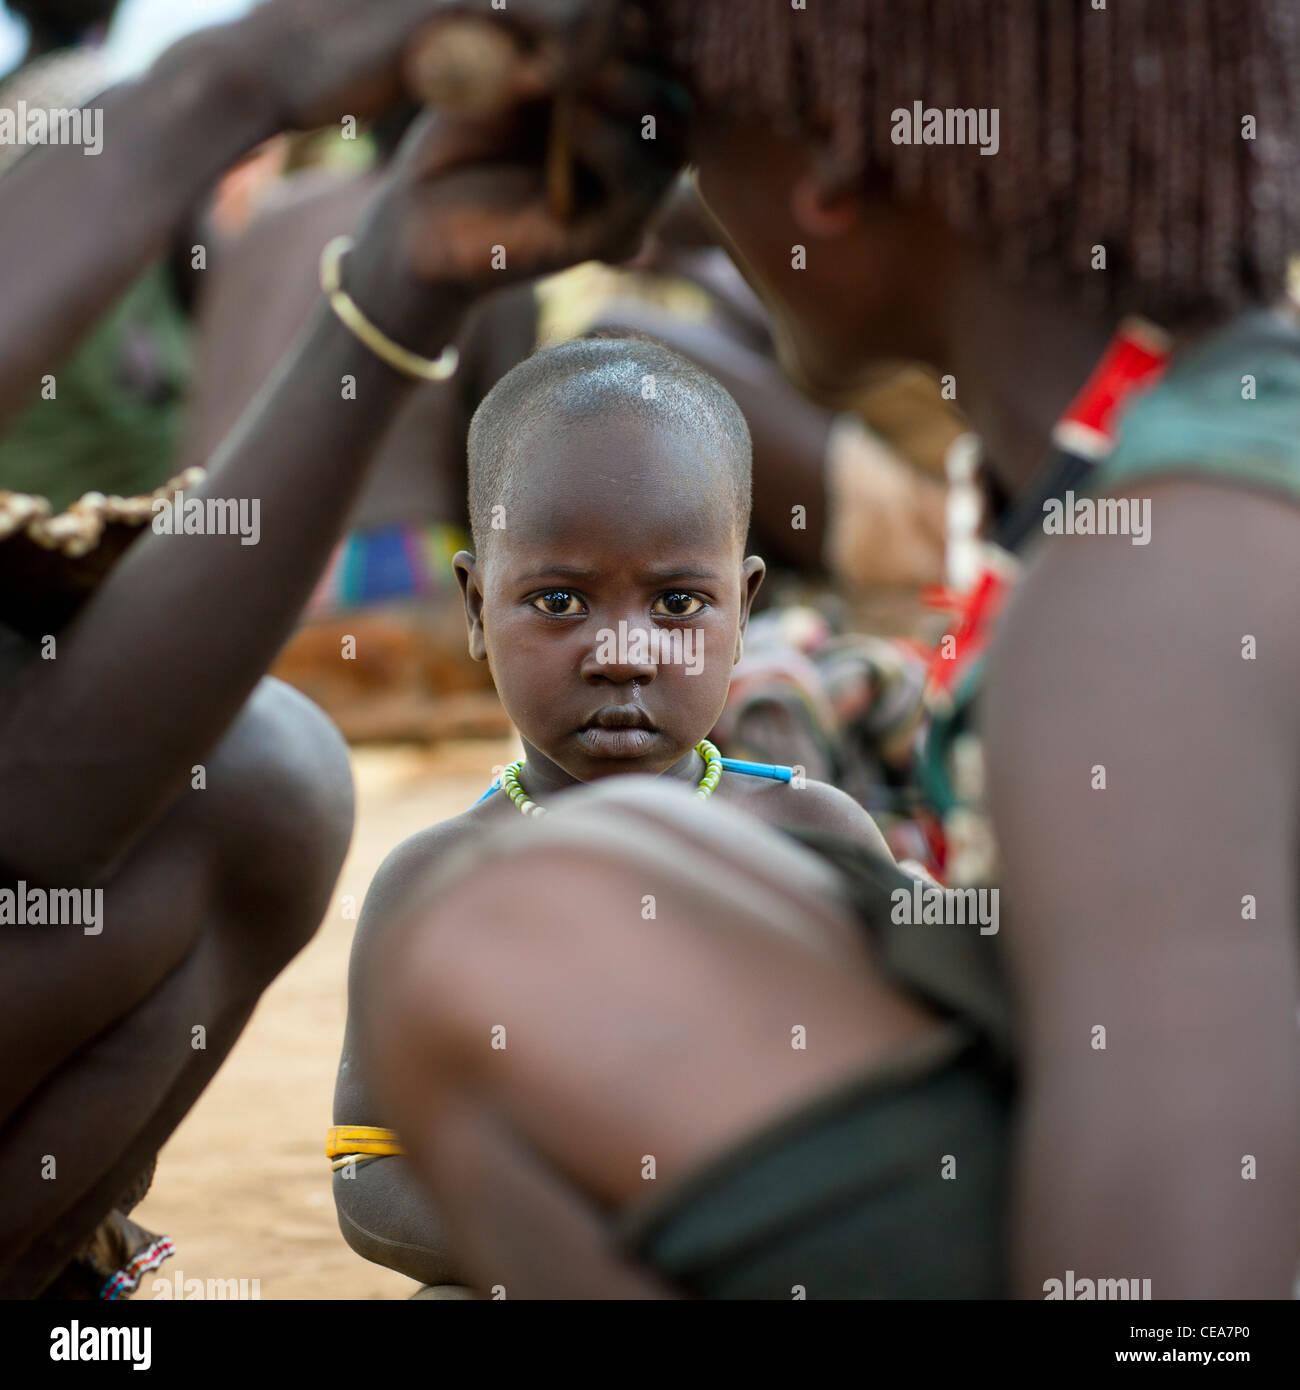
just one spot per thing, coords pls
(243, 1188)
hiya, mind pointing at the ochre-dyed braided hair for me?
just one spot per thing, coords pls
(1120, 127)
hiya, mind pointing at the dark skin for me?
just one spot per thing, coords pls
(531, 1151)
(1125, 910)
(262, 295)
(294, 64)
(567, 566)
(417, 268)
(265, 287)
(789, 431)
(208, 894)
(734, 346)
(1144, 894)
(1142, 887)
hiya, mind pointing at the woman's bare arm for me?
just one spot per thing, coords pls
(75, 230)
(193, 620)
(1169, 1152)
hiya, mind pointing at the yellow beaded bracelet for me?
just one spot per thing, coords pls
(399, 358)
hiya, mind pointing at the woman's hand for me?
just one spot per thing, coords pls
(466, 208)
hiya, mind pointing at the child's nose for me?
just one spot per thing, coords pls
(622, 653)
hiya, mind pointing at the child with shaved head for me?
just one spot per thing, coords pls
(609, 487)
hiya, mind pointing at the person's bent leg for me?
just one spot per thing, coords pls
(113, 1036)
(614, 998)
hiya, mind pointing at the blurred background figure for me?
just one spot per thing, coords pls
(114, 425)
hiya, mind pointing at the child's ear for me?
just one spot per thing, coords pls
(470, 580)
(751, 580)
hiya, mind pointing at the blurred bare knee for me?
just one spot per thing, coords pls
(278, 808)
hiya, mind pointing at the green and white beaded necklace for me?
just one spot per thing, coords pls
(706, 750)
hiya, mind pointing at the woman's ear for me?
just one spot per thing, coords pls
(825, 203)
(751, 580)
(470, 580)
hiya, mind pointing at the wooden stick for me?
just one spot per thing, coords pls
(559, 158)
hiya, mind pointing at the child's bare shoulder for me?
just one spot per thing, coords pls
(400, 873)
(414, 858)
(809, 806)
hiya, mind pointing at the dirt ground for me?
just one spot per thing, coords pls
(243, 1188)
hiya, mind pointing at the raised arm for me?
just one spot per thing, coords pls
(194, 620)
(1160, 907)
(74, 231)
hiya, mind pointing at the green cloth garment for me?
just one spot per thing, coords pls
(892, 1185)
(1227, 408)
(114, 425)
(848, 1197)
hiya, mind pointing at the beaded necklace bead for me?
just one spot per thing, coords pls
(712, 776)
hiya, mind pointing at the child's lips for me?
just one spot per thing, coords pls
(599, 741)
(621, 717)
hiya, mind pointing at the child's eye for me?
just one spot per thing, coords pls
(677, 606)
(559, 603)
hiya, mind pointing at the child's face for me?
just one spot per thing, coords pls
(611, 601)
